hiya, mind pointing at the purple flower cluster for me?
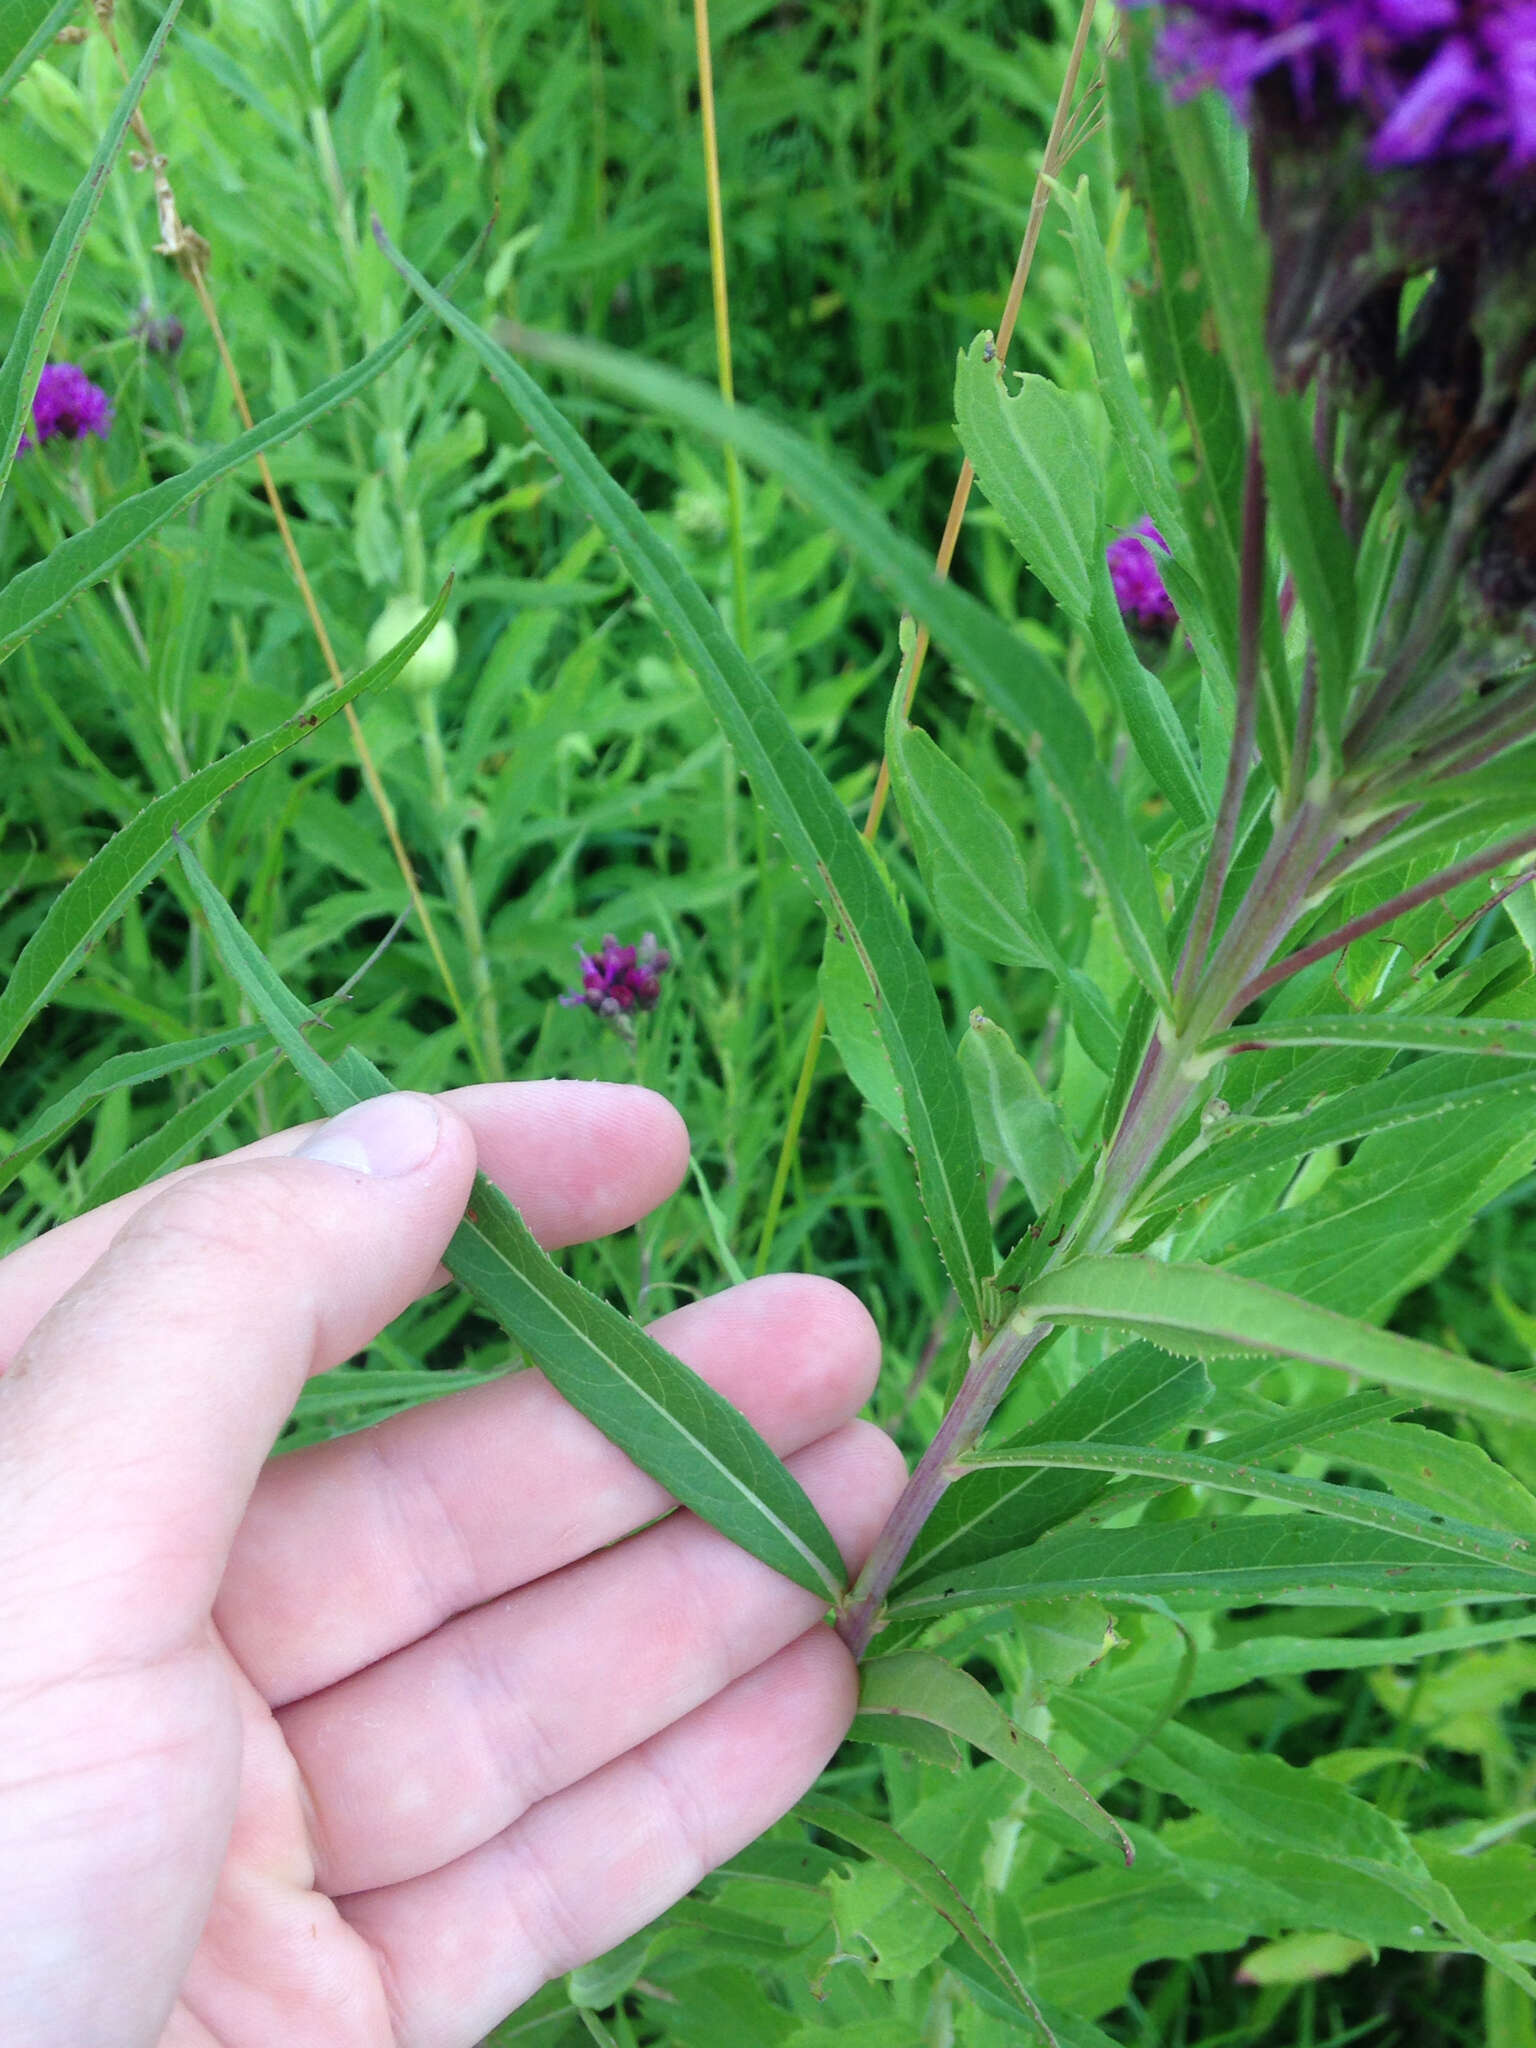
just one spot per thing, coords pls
(620, 978)
(1432, 78)
(1138, 584)
(67, 403)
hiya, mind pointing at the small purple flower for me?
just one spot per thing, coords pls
(67, 402)
(161, 334)
(1138, 584)
(620, 978)
(1433, 79)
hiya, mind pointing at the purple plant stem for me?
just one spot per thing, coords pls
(1163, 1091)
(985, 1384)
(1395, 906)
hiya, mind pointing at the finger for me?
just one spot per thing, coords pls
(136, 1417)
(421, 1758)
(579, 1158)
(447, 1506)
(462, 1947)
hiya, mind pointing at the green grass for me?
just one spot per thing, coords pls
(877, 163)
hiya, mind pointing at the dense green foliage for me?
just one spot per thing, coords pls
(1325, 1777)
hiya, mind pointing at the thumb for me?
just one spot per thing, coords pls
(136, 1417)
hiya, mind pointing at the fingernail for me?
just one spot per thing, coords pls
(384, 1137)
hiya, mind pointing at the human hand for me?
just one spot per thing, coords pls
(359, 1747)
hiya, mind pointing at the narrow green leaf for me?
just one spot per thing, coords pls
(34, 330)
(669, 1421)
(1219, 1561)
(1183, 354)
(27, 27)
(817, 831)
(913, 1684)
(1449, 1474)
(1212, 1313)
(1317, 549)
(1172, 323)
(126, 1070)
(1496, 1037)
(969, 859)
(40, 591)
(1137, 1395)
(1369, 1510)
(1139, 445)
(1020, 1128)
(878, 1839)
(81, 911)
(1014, 681)
(1264, 1800)
(854, 1027)
(1033, 459)
(1248, 1145)
(175, 1140)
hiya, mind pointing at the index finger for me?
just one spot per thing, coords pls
(579, 1159)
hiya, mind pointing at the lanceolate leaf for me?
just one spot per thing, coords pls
(1220, 1561)
(82, 911)
(1015, 681)
(1264, 1799)
(1021, 1129)
(912, 1684)
(1215, 1314)
(34, 596)
(1412, 1096)
(1139, 445)
(969, 858)
(1136, 1396)
(817, 831)
(878, 1839)
(40, 315)
(669, 1421)
(174, 1140)
(27, 27)
(126, 1070)
(1317, 550)
(1496, 1037)
(1345, 1503)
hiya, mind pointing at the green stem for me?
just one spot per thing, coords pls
(462, 890)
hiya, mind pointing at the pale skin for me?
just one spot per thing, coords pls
(356, 1747)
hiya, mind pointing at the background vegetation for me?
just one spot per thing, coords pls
(877, 165)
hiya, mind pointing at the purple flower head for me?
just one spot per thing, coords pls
(620, 979)
(67, 402)
(1432, 79)
(161, 334)
(1137, 581)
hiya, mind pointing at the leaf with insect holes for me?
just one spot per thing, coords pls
(1033, 459)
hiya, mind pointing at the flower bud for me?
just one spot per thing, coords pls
(434, 660)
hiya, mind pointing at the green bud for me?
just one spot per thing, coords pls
(434, 660)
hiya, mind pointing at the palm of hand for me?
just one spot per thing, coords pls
(359, 1748)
